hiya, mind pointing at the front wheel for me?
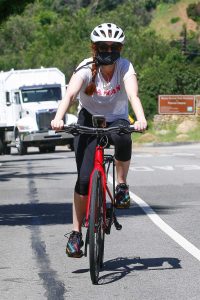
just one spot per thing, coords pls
(71, 145)
(20, 145)
(96, 228)
(1, 147)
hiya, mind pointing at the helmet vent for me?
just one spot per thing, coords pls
(116, 33)
(95, 33)
(103, 33)
(109, 32)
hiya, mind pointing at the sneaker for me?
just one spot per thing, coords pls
(74, 244)
(122, 196)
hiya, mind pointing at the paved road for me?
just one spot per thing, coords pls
(155, 256)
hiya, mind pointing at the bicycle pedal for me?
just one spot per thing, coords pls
(116, 223)
(118, 226)
(107, 230)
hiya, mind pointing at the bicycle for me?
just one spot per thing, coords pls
(100, 216)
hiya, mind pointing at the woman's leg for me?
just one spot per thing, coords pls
(122, 168)
(84, 149)
(79, 210)
(123, 150)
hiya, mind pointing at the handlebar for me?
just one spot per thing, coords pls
(76, 129)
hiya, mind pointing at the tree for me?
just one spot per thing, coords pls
(173, 75)
(9, 7)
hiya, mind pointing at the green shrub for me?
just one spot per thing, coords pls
(193, 11)
(174, 20)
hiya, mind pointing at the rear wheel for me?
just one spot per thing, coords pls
(4, 149)
(96, 228)
(7, 150)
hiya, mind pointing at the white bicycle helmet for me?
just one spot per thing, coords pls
(107, 32)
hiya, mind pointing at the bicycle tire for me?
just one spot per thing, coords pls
(96, 228)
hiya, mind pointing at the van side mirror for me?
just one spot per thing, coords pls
(8, 102)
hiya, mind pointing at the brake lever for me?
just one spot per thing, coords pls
(69, 129)
(123, 130)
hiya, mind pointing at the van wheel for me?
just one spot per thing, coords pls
(52, 149)
(1, 147)
(71, 146)
(20, 145)
(7, 150)
(4, 149)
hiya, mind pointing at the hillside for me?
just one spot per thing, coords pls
(168, 19)
(51, 33)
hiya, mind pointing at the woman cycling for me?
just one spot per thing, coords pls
(104, 83)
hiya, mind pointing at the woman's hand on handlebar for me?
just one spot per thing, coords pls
(140, 125)
(57, 124)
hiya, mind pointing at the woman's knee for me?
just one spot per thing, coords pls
(123, 149)
(82, 187)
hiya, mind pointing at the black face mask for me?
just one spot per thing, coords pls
(107, 58)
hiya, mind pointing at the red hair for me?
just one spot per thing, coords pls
(91, 88)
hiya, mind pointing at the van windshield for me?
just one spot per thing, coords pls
(41, 94)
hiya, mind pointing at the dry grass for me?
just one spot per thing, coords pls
(164, 15)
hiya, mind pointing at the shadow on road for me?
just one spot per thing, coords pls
(123, 266)
(43, 175)
(35, 214)
(135, 210)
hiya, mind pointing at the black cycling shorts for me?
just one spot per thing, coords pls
(84, 146)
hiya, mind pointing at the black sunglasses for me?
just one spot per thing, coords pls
(103, 47)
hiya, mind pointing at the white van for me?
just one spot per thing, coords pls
(28, 102)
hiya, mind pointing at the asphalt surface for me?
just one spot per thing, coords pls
(141, 261)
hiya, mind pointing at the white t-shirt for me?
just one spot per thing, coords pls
(110, 98)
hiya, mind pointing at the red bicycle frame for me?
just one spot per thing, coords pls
(99, 166)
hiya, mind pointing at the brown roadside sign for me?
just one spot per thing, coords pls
(176, 104)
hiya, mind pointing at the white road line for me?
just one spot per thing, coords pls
(179, 239)
(145, 155)
(165, 168)
(184, 154)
